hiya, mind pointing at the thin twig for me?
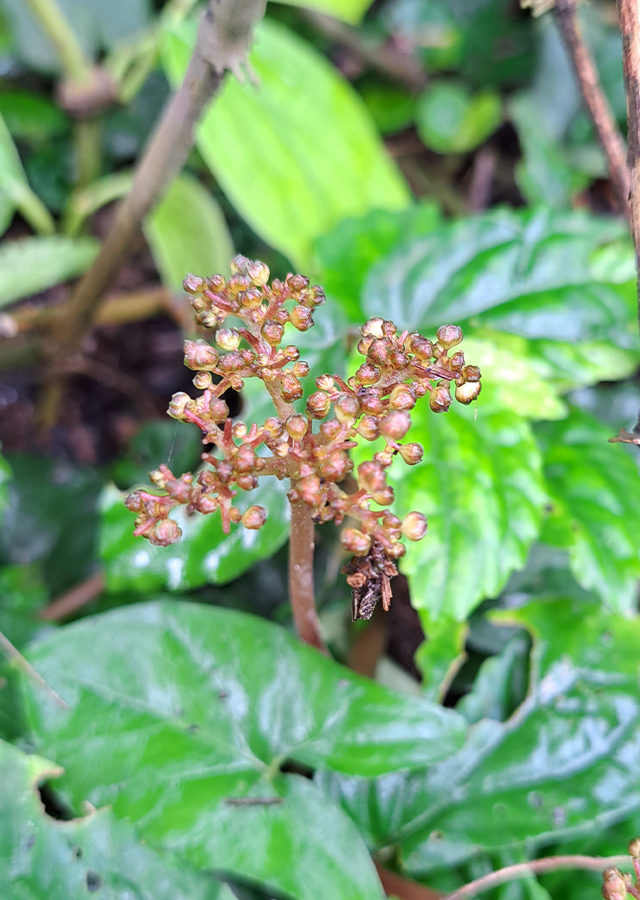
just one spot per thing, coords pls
(55, 25)
(14, 656)
(404, 888)
(630, 27)
(383, 57)
(74, 599)
(536, 866)
(597, 104)
(224, 37)
(484, 165)
(301, 575)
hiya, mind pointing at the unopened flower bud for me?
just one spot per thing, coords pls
(355, 541)
(300, 369)
(193, 284)
(297, 426)
(396, 550)
(368, 428)
(371, 476)
(378, 352)
(272, 333)
(274, 427)
(254, 518)
(373, 327)
(250, 299)
(412, 453)
(258, 272)
(395, 425)
(383, 497)
(291, 388)
(471, 373)
(237, 284)
(178, 405)
(301, 318)
(364, 344)
(208, 318)
(330, 430)
(367, 374)
(134, 502)
(402, 397)
(414, 526)
(325, 383)
(421, 348)
(203, 380)
(313, 296)
(347, 409)
(200, 355)
(247, 481)
(215, 283)
(468, 392)
(245, 458)
(291, 352)
(384, 458)
(218, 409)
(239, 264)
(164, 533)
(457, 361)
(388, 329)
(310, 490)
(371, 402)
(318, 405)
(614, 886)
(336, 466)
(449, 335)
(228, 339)
(440, 399)
(297, 283)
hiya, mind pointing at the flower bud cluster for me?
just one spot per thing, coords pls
(311, 449)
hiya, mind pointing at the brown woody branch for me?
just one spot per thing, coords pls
(597, 104)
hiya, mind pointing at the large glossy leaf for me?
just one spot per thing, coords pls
(47, 859)
(595, 489)
(15, 192)
(33, 264)
(177, 707)
(565, 764)
(204, 554)
(296, 154)
(187, 233)
(541, 275)
(480, 485)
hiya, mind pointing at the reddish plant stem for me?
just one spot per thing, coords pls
(597, 104)
(303, 602)
(629, 16)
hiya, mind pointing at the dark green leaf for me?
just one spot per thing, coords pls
(33, 264)
(595, 492)
(204, 554)
(541, 275)
(51, 518)
(32, 117)
(450, 120)
(222, 700)
(187, 233)
(15, 189)
(564, 765)
(480, 485)
(392, 108)
(22, 596)
(346, 254)
(318, 158)
(47, 859)
(500, 686)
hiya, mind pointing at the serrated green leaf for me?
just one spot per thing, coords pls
(223, 700)
(595, 492)
(15, 189)
(541, 275)
(297, 154)
(33, 264)
(480, 485)
(565, 764)
(46, 859)
(203, 555)
(450, 119)
(187, 233)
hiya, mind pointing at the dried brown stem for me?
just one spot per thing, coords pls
(74, 599)
(301, 592)
(629, 16)
(597, 104)
(223, 40)
(404, 888)
(536, 866)
(14, 656)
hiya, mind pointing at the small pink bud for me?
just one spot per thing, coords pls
(228, 339)
(258, 272)
(347, 409)
(318, 405)
(325, 383)
(368, 428)
(310, 490)
(178, 405)
(291, 388)
(414, 526)
(440, 399)
(373, 327)
(371, 476)
(395, 425)
(367, 374)
(420, 347)
(412, 453)
(402, 397)
(468, 392)
(272, 333)
(297, 426)
(449, 335)
(200, 355)
(164, 533)
(383, 497)
(355, 541)
(301, 318)
(378, 352)
(193, 284)
(254, 518)
(245, 458)
(471, 373)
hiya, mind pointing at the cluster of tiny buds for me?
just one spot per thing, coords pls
(373, 405)
(615, 885)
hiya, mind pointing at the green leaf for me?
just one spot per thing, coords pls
(318, 158)
(51, 518)
(540, 274)
(350, 11)
(480, 485)
(32, 117)
(33, 264)
(392, 108)
(15, 189)
(595, 492)
(204, 554)
(48, 859)
(177, 707)
(187, 233)
(501, 684)
(88, 200)
(565, 764)
(450, 120)
(346, 254)
(22, 596)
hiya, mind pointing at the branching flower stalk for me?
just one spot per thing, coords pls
(398, 370)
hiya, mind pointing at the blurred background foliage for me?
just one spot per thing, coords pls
(425, 160)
